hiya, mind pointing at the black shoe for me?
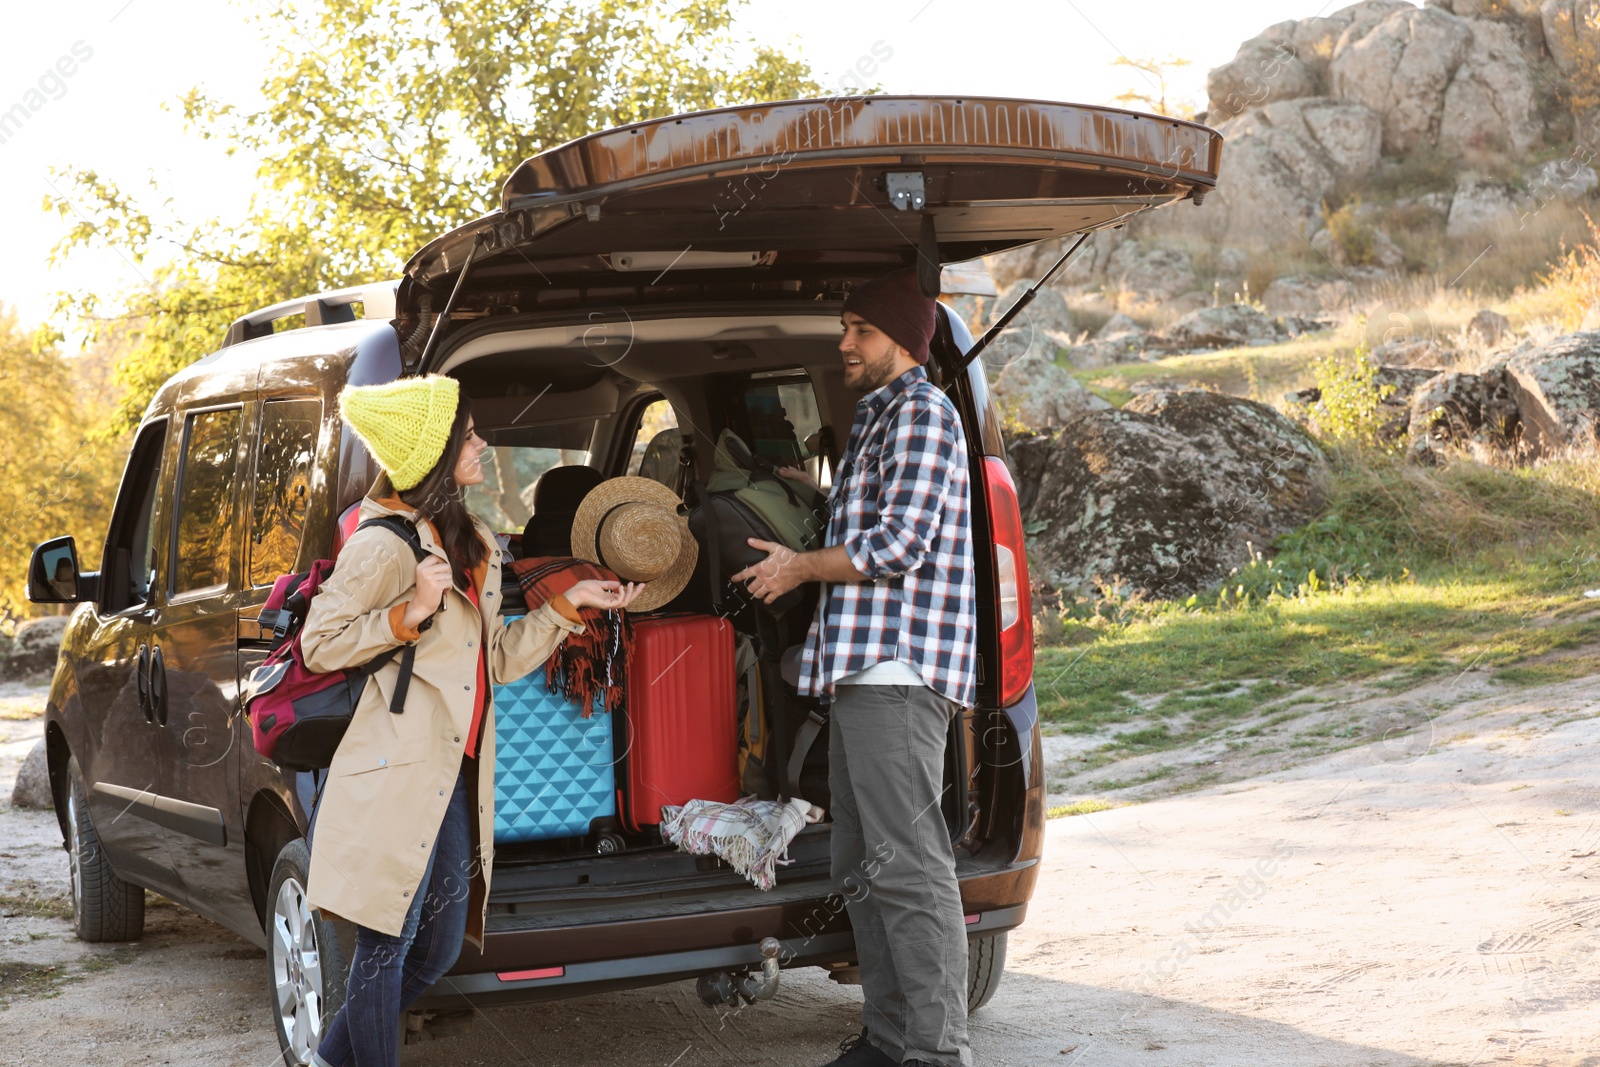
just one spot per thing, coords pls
(857, 1051)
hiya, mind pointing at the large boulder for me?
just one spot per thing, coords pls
(1318, 40)
(1479, 205)
(1380, 251)
(1261, 72)
(1118, 325)
(1556, 387)
(1562, 179)
(1227, 326)
(1282, 161)
(1401, 68)
(1455, 409)
(1167, 494)
(34, 648)
(1572, 36)
(1041, 329)
(1488, 328)
(1412, 352)
(32, 788)
(1150, 272)
(1305, 294)
(1040, 395)
(1120, 340)
(1491, 104)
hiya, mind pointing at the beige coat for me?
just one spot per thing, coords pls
(391, 779)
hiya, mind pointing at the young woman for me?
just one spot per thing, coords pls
(402, 842)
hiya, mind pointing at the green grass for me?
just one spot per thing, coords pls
(26, 979)
(36, 907)
(1564, 669)
(1263, 373)
(1412, 574)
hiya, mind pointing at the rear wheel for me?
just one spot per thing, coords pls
(986, 962)
(306, 965)
(104, 907)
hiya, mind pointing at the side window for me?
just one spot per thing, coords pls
(205, 521)
(513, 462)
(656, 445)
(133, 550)
(780, 411)
(282, 486)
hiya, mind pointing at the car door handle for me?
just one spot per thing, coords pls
(158, 685)
(141, 672)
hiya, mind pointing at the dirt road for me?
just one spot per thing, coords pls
(1435, 900)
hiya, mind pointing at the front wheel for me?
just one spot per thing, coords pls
(306, 965)
(104, 907)
(986, 963)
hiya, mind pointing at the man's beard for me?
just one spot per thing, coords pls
(875, 374)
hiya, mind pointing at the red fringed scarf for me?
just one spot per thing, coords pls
(586, 663)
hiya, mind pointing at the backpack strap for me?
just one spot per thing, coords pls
(406, 530)
(804, 738)
(702, 498)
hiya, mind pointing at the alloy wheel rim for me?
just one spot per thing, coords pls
(75, 853)
(296, 971)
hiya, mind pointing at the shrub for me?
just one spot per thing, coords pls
(1349, 412)
(1574, 278)
(1354, 237)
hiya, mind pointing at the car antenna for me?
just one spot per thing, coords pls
(1005, 320)
(449, 305)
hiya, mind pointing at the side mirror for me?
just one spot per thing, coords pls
(53, 576)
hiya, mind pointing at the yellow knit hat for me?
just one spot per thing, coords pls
(404, 424)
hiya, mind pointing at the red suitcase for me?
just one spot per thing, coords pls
(679, 735)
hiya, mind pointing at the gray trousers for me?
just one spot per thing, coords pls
(893, 863)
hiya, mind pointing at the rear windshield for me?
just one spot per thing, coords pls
(512, 463)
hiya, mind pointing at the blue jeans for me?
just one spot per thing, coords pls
(388, 974)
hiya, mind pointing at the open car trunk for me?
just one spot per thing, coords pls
(717, 367)
(681, 257)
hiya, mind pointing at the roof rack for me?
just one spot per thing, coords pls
(320, 309)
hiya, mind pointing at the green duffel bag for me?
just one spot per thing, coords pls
(796, 514)
(743, 498)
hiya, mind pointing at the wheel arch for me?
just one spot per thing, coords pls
(268, 827)
(57, 753)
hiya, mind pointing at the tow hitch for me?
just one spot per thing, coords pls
(732, 987)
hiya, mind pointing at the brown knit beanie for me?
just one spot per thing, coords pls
(894, 304)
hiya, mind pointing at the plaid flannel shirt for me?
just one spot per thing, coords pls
(902, 508)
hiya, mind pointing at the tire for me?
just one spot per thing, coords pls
(104, 907)
(306, 968)
(986, 962)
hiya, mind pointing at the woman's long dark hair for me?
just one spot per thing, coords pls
(439, 499)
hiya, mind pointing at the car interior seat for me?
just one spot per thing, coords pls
(661, 461)
(556, 496)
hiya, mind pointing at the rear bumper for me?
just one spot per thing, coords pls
(556, 981)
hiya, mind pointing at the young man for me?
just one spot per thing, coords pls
(893, 646)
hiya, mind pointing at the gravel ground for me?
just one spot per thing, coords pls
(1433, 900)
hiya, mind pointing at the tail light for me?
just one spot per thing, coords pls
(1011, 581)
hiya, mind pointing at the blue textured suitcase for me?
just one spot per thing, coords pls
(554, 770)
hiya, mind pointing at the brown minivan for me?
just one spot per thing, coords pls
(638, 291)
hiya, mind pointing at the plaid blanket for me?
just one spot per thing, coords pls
(583, 664)
(752, 835)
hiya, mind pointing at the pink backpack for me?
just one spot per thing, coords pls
(297, 716)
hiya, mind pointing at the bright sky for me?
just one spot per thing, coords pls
(100, 83)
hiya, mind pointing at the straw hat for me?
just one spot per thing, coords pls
(631, 525)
